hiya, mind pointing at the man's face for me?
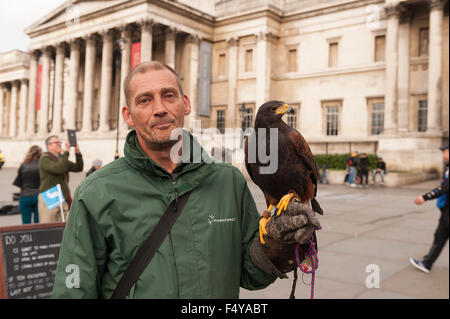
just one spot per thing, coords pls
(156, 107)
(446, 155)
(54, 145)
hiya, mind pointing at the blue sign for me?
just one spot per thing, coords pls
(53, 197)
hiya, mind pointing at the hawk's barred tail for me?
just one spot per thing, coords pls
(316, 207)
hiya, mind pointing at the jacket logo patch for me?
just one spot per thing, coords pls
(211, 220)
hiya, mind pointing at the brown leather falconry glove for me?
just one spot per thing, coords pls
(295, 225)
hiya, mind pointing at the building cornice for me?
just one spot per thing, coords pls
(327, 9)
(266, 12)
(332, 72)
(41, 28)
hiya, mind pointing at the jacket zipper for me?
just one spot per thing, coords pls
(175, 191)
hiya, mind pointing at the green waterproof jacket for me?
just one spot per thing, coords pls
(205, 255)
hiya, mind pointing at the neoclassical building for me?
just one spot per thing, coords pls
(361, 75)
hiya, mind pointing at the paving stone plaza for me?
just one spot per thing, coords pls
(360, 227)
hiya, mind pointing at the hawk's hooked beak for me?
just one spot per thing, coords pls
(282, 109)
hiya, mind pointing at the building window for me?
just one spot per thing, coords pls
(423, 41)
(247, 119)
(332, 120)
(222, 64)
(220, 121)
(249, 60)
(332, 54)
(292, 60)
(422, 115)
(377, 115)
(291, 118)
(380, 43)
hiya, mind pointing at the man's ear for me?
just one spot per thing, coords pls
(126, 113)
(187, 105)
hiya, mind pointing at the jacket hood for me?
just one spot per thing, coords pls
(196, 158)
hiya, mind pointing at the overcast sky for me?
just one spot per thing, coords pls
(16, 16)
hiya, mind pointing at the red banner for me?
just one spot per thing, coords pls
(135, 54)
(38, 87)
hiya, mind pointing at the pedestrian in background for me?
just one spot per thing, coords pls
(28, 180)
(96, 164)
(381, 169)
(352, 163)
(441, 234)
(54, 169)
(363, 170)
(2, 160)
(323, 174)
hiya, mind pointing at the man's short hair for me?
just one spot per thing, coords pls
(48, 139)
(144, 68)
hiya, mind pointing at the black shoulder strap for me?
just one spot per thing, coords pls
(149, 247)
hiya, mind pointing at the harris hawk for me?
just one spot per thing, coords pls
(290, 190)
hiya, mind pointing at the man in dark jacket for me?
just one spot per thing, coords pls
(212, 249)
(441, 234)
(96, 165)
(363, 169)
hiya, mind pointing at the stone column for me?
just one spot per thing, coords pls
(232, 80)
(403, 72)
(59, 91)
(263, 68)
(125, 48)
(106, 81)
(390, 106)
(191, 82)
(73, 84)
(88, 84)
(2, 107)
(13, 108)
(23, 106)
(146, 40)
(435, 67)
(32, 93)
(169, 53)
(45, 91)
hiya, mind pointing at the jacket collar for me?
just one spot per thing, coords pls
(138, 159)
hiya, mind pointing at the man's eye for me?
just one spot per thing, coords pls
(143, 100)
(170, 95)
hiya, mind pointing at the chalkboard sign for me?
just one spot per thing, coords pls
(28, 257)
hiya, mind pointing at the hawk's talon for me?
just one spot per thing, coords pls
(262, 228)
(284, 202)
(263, 222)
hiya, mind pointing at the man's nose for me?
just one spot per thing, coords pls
(159, 108)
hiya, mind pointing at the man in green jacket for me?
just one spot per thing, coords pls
(54, 169)
(213, 248)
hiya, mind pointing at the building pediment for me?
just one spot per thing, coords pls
(70, 12)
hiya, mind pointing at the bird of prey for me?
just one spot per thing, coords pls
(297, 172)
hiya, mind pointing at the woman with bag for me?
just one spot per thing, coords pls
(28, 180)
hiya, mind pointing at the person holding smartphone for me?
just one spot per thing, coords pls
(54, 169)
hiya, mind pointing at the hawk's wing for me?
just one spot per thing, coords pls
(305, 155)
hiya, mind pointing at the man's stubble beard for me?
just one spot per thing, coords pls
(158, 143)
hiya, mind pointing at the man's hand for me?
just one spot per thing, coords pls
(294, 226)
(67, 144)
(419, 200)
(77, 149)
